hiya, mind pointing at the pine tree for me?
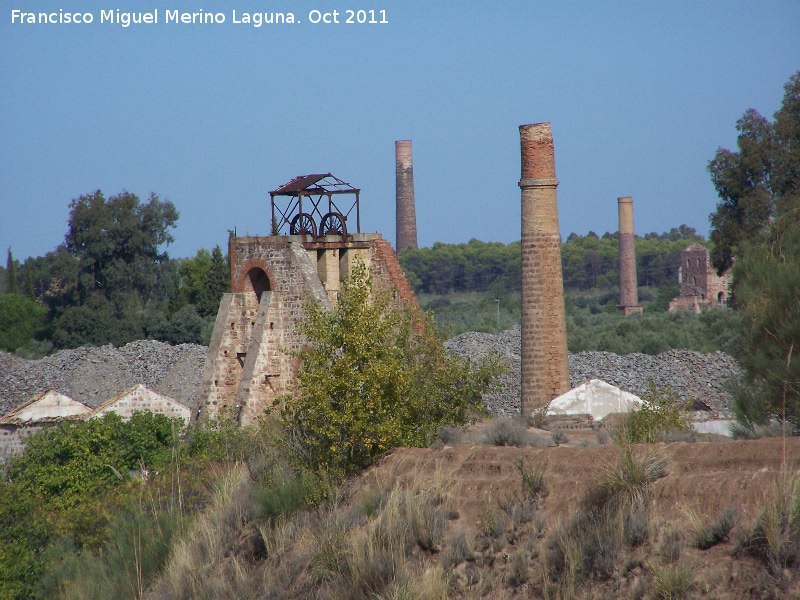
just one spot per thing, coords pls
(11, 275)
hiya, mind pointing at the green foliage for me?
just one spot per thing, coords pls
(661, 413)
(653, 333)
(73, 523)
(758, 221)
(373, 378)
(21, 321)
(184, 327)
(759, 184)
(117, 241)
(767, 288)
(12, 287)
(586, 261)
(204, 278)
(65, 485)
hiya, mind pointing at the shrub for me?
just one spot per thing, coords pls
(374, 377)
(506, 432)
(661, 412)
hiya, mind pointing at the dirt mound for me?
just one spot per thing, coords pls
(702, 479)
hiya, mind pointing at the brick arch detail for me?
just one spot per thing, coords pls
(241, 283)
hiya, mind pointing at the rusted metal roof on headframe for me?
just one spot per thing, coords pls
(318, 183)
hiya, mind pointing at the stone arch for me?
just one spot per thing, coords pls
(721, 297)
(258, 282)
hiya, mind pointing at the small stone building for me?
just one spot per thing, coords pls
(42, 410)
(142, 399)
(701, 287)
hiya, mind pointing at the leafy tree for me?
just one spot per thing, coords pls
(759, 183)
(117, 241)
(21, 320)
(203, 280)
(184, 327)
(373, 378)
(758, 222)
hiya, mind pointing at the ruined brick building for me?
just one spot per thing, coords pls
(701, 287)
(250, 358)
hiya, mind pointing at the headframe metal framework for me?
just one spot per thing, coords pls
(314, 205)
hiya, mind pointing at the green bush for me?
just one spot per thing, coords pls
(372, 378)
(662, 412)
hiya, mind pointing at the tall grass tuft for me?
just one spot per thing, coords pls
(673, 581)
(776, 535)
(626, 484)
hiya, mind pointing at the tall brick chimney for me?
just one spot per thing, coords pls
(545, 366)
(406, 219)
(628, 292)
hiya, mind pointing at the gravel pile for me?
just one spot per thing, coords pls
(92, 375)
(691, 374)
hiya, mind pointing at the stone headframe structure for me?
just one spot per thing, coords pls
(701, 287)
(545, 365)
(250, 361)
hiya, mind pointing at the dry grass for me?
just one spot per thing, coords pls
(708, 533)
(775, 538)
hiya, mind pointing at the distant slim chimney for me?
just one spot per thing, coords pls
(406, 220)
(628, 292)
(545, 364)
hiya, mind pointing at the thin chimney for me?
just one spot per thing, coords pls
(406, 218)
(628, 291)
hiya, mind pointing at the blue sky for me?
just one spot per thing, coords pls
(639, 94)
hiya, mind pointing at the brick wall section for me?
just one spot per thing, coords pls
(388, 274)
(406, 217)
(544, 364)
(12, 439)
(628, 289)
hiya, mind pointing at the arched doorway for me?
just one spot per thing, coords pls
(258, 281)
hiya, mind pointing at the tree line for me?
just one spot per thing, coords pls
(587, 262)
(111, 281)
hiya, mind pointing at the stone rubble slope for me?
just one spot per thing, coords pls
(691, 374)
(92, 375)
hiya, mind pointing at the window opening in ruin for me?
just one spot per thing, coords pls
(694, 280)
(698, 262)
(259, 281)
(240, 356)
(721, 297)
